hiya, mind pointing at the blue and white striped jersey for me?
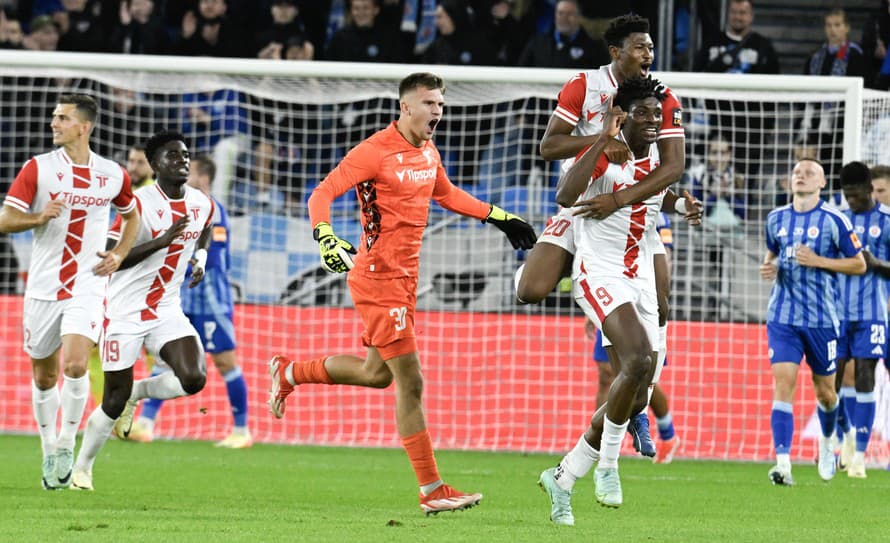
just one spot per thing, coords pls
(802, 296)
(864, 297)
(213, 295)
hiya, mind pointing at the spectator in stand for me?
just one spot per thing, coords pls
(458, 41)
(739, 49)
(566, 45)
(210, 33)
(140, 30)
(716, 183)
(44, 35)
(286, 24)
(299, 48)
(507, 32)
(81, 26)
(823, 123)
(875, 37)
(11, 35)
(365, 40)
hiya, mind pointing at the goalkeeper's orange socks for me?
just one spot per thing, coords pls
(419, 447)
(309, 371)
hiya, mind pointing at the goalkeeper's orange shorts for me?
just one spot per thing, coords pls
(386, 307)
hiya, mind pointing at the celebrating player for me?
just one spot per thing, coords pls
(863, 316)
(575, 124)
(807, 243)
(614, 283)
(209, 308)
(395, 172)
(64, 196)
(143, 305)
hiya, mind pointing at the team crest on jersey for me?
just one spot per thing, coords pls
(102, 180)
(678, 117)
(195, 211)
(874, 230)
(813, 232)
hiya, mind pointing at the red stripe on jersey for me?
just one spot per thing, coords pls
(592, 300)
(73, 244)
(81, 177)
(165, 274)
(632, 248)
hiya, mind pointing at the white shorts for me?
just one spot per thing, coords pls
(46, 321)
(122, 340)
(653, 238)
(598, 297)
(560, 231)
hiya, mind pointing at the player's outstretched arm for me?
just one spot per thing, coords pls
(112, 259)
(336, 254)
(13, 220)
(689, 206)
(140, 252)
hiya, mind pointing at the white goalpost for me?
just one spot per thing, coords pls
(500, 376)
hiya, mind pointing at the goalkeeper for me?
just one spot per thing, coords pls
(395, 172)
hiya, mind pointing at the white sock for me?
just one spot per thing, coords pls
(426, 490)
(98, 430)
(576, 464)
(610, 448)
(859, 456)
(75, 391)
(784, 461)
(165, 386)
(46, 413)
(240, 430)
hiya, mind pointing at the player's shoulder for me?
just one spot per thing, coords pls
(883, 209)
(193, 195)
(778, 212)
(836, 215)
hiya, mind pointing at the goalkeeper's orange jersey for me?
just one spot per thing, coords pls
(394, 182)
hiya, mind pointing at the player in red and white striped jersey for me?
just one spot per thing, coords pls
(65, 197)
(143, 306)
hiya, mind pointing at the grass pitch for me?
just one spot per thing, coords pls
(191, 492)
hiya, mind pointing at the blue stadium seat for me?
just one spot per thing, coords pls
(515, 200)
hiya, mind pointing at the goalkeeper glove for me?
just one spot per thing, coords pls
(520, 233)
(336, 254)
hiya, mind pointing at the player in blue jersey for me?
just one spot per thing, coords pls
(808, 243)
(209, 308)
(863, 315)
(659, 402)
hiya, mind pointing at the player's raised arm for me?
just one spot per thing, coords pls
(520, 233)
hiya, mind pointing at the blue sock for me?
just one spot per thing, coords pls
(782, 422)
(236, 386)
(151, 406)
(827, 418)
(665, 427)
(847, 396)
(864, 419)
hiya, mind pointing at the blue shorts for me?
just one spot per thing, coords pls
(217, 331)
(599, 352)
(862, 339)
(789, 343)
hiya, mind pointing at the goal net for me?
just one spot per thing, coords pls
(499, 376)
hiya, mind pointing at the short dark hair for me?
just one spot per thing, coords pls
(638, 88)
(880, 172)
(204, 165)
(137, 147)
(622, 27)
(426, 80)
(159, 140)
(84, 104)
(855, 173)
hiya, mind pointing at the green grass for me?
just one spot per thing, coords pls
(189, 491)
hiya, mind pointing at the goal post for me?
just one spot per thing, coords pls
(499, 376)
